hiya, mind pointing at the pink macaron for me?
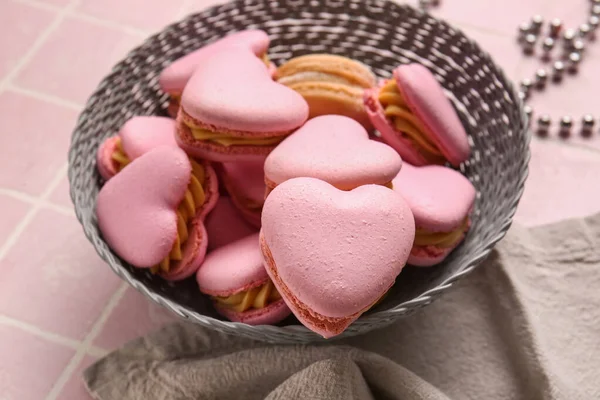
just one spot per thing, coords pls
(333, 254)
(232, 111)
(441, 200)
(235, 278)
(335, 149)
(137, 136)
(245, 183)
(414, 116)
(225, 224)
(152, 213)
(173, 79)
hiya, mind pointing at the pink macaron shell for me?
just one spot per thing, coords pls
(389, 135)
(335, 149)
(336, 251)
(225, 96)
(136, 209)
(141, 134)
(270, 315)
(426, 98)
(429, 256)
(225, 225)
(233, 268)
(104, 162)
(174, 78)
(211, 189)
(245, 181)
(440, 198)
(194, 251)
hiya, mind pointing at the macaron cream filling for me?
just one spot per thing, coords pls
(443, 240)
(227, 139)
(119, 157)
(404, 121)
(258, 297)
(194, 199)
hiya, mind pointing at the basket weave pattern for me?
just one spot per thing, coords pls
(382, 35)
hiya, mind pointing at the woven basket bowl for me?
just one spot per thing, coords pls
(380, 34)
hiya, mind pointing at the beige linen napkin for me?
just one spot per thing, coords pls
(525, 325)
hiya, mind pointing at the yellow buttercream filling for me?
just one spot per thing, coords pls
(119, 156)
(226, 140)
(265, 58)
(443, 240)
(257, 298)
(397, 110)
(193, 199)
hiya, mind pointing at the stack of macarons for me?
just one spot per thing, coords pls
(301, 189)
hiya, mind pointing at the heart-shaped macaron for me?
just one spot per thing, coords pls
(173, 78)
(333, 254)
(136, 137)
(235, 278)
(335, 149)
(441, 200)
(151, 213)
(231, 109)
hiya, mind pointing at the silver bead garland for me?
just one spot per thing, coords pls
(572, 50)
(571, 43)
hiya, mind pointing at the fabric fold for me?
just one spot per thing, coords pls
(524, 325)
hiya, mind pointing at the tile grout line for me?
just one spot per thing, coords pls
(41, 39)
(96, 352)
(33, 200)
(48, 98)
(86, 346)
(36, 331)
(18, 230)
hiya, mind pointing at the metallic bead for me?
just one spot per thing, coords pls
(574, 60)
(529, 45)
(587, 125)
(526, 85)
(593, 22)
(529, 113)
(536, 23)
(544, 121)
(543, 124)
(547, 46)
(584, 31)
(588, 121)
(541, 78)
(568, 38)
(556, 26)
(558, 70)
(524, 29)
(578, 46)
(566, 123)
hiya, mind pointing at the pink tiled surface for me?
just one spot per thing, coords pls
(29, 365)
(22, 25)
(74, 389)
(59, 304)
(34, 141)
(13, 211)
(132, 317)
(64, 273)
(143, 14)
(74, 58)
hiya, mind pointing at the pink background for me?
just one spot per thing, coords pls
(60, 306)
